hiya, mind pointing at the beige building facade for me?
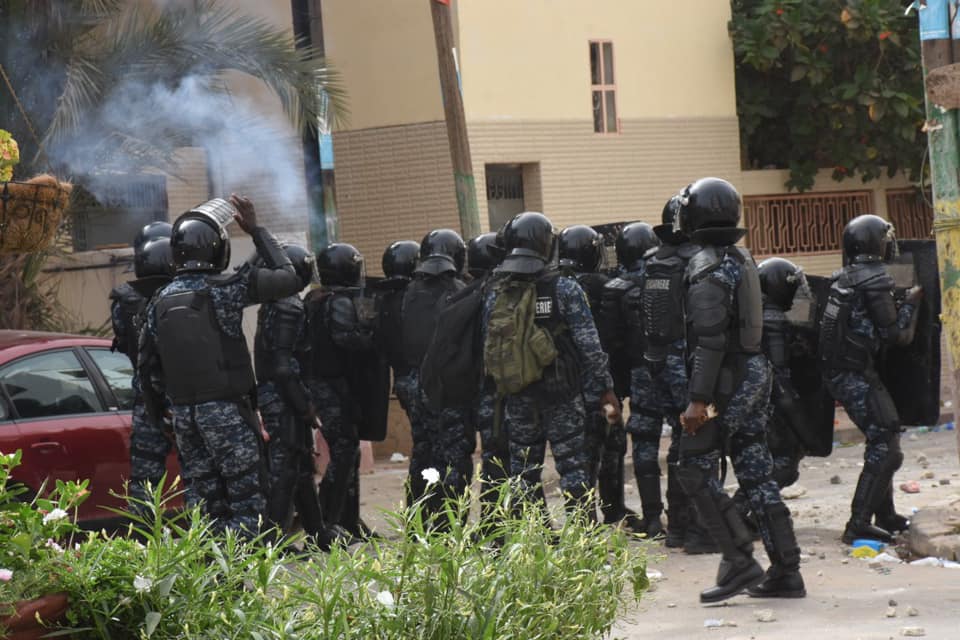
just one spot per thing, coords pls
(540, 139)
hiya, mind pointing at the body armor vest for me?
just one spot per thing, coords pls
(326, 359)
(839, 347)
(663, 298)
(126, 335)
(279, 326)
(622, 318)
(749, 300)
(419, 310)
(200, 362)
(561, 379)
(389, 331)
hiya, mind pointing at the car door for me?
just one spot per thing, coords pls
(116, 372)
(65, 430)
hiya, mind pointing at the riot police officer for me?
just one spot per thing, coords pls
(660, 383)
(338, 333)
(484, 254)
(550, 409)
(398, 262)
(194, 351)
(442, 440)
(581, 253)
(779, 281)
(729, 372)
(150, 440)
(288, 414)
(859, 319)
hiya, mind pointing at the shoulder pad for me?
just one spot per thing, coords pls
(868, 276)
(743, 253)
(703, 262)
(688, 250)
(122, 291)
(619, 284)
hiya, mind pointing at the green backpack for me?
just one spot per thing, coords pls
(516, 350)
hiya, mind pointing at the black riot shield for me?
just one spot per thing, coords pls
(912, 373)
(368, 378)
(814, 414)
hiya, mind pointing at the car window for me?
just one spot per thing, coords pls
(118, 372)
(49, 384)
(4, 408)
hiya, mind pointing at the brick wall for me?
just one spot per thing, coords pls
(393, 183)
(591, 179)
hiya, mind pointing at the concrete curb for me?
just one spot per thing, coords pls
(935, 532)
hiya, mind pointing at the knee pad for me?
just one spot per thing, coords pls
(895, 455)
(881, 409)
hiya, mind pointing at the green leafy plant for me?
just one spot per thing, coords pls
(35, 535)
(176, 578)
(832, 83)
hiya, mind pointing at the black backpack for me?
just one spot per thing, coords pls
(452, 370)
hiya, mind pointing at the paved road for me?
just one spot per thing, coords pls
(848, 599)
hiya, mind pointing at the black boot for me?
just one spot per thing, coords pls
(783, 579)
(869, 493)
(678, 509)
(697, 539)
(649, 488)
(738, 570)
(886, 516)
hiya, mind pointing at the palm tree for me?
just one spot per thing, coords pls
(71, 62)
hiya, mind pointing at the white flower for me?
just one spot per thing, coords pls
(55, 515)
(53, 545)
(386, 599)
(142, 584)
(431, 475)
(5, 575)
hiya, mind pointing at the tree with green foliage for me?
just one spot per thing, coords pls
(828, 83)
(85, 71)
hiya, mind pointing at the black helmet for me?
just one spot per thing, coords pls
(152, 231)
(442, 250)
(483, 254)
(154, 258)
(400, 259)
(304, 263)
(633, 242)
(199, 245)
(580, 248)
(779, 280)
(340, 264)
(666, 230)
(868, 238)
(528, 240)
(712, 207)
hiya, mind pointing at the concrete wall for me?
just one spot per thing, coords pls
(385, 55)
(530, 60)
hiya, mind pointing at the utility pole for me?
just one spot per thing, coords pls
(939, 74)
(456, 120)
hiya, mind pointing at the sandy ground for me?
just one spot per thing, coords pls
(847, 597)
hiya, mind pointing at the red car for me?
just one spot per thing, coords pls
(65, 400)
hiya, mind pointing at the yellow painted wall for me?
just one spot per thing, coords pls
(385, 53)
(530, 59)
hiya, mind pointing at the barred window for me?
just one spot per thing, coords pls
(603, 87)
